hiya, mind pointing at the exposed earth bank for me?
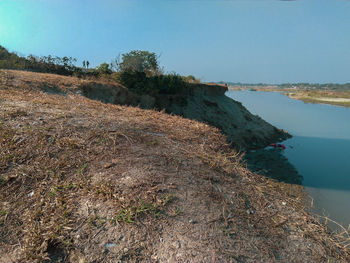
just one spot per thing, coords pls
(204, 103)
(85, 181)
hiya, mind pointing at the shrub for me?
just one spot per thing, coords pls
(139, 83)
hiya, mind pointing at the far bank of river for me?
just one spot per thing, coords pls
(319, 149)
(331, 97)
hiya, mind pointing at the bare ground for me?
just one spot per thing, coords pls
(83, 181)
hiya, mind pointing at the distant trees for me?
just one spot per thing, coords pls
(134, 61)
(11, 60)
(48, 64)
(138, 70)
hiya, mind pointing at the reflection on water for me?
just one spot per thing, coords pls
(320, 148)
(324, 163)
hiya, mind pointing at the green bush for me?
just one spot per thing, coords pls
(139, 83)
(104, 68)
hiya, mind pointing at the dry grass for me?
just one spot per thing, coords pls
(82, 181)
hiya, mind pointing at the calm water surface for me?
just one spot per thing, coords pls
(319, 149)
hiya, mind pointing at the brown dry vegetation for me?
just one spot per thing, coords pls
(83, 181)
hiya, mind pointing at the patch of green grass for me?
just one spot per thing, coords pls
(128, 215)
(167, 199)
(3, 214)
(3, 180)
(178, 211)
(97, 220)
(70, 186)
(81, 170)
(52, 193)
(18, 113)
(151, 143)
(55, 190)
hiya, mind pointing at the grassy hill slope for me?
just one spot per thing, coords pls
(84, 181)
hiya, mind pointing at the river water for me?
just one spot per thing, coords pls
(319, 149)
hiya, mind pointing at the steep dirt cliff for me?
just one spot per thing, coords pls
(208, 104)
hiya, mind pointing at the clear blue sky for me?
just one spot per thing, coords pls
(243, 41)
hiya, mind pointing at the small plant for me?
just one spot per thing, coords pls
(128, 215)
(18, 113)
(81, 170)
(178, 211)
(70, 186)
(3, 180)
(97, 220)
(167, 198)
(3, 214)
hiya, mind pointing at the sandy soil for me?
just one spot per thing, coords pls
(333, 99)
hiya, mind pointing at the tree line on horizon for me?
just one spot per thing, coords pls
(138, 70)
(46, 64)
(299, 85)
(317, 86)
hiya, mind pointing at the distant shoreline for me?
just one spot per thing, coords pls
(329, 97)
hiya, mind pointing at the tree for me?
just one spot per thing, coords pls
(115, 63)
(140, 61)
(104, 68)
(84, 65)
(87, 64)
(191, 79)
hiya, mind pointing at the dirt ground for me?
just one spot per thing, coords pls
(84, 181)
